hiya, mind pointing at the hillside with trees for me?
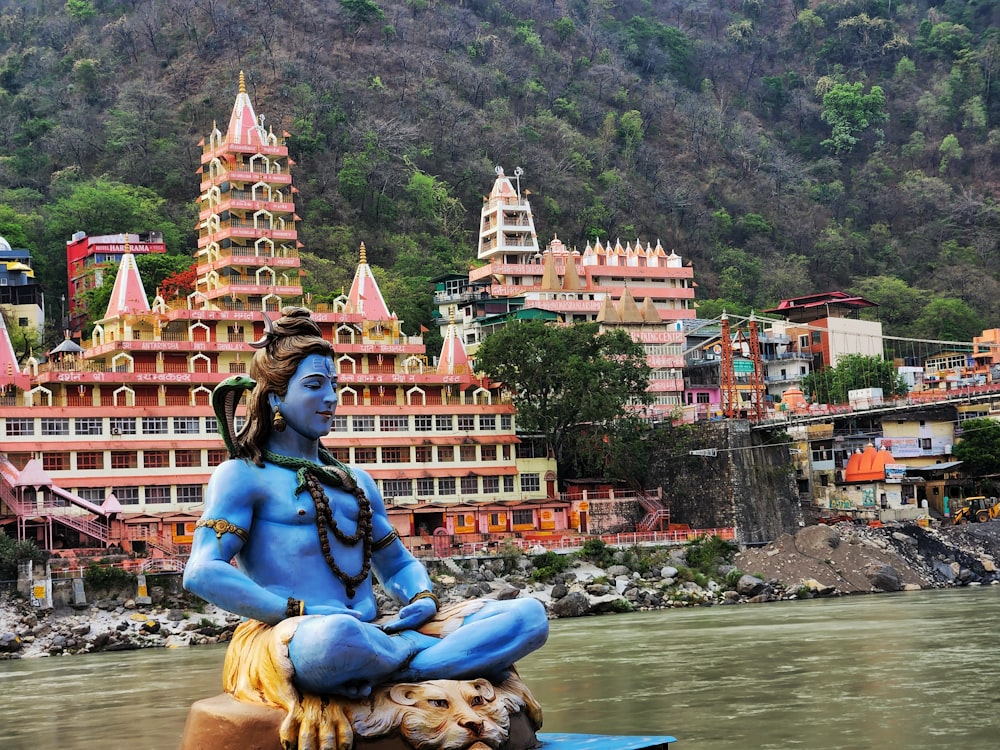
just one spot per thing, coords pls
(781, 146)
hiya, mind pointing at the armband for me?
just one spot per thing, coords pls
(425, 595)
(221, 526)
(385, 541)
(295, 607)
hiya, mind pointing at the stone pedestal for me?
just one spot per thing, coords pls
(223, 723)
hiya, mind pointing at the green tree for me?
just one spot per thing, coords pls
(899, 304)
(850, 112)
(979, 447)
(853, 371)
(155, 267)
(561, 377)
(615, 451)
(950, 150)
(23, 339)
(363, 11)
(12, 552)
(101, 206)
(949, 319)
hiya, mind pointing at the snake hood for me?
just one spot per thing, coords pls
(225, 397)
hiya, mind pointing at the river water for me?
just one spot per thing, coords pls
(914, 670)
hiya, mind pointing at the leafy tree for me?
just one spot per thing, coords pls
(950, 150)
(949, 319)
(850, 112)
(363, 11)
(899, 304)
(615, 451)
(853, 371)
(12, 552)
(23, 339)
(561, 377)
(979, 447)
(154, 268)
(101, 206)
(12, 227)
(179, 284)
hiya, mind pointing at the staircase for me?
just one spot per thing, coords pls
(656, 513)
(48, 509)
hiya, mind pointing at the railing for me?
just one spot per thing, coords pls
(163, 565)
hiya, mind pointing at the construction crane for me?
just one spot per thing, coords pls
(747, 346)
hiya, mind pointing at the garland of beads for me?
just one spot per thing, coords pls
(335, 473)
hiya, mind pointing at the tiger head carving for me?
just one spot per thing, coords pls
(437, 714)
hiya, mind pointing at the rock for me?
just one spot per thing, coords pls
(9, 643)
(882, 576)
(818, 588)
(749, 585)
(900, 537)
(598, 589)
(81, 629)
(40, 631)
(622, 584)
(175, 615)
(150, 626)
(944, 570)
(508, 592)
(618, 570)
(58, 645)
(559, 590)
(574, 604)
(668, 571)
(815, 540)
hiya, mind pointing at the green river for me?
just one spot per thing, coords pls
(913, 670)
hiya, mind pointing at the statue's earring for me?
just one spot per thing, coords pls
(278, 423)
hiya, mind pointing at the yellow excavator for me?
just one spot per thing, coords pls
(978, 509)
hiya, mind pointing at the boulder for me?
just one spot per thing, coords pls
(574, 604)
(9, 643)
(816, 541)
(883, 576)
(749, 585)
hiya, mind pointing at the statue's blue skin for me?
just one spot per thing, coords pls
(341, 651)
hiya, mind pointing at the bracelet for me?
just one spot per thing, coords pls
(295, 607)
(425, 595)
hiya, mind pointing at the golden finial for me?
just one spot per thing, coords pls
(243, 83)
(364, 257)
(451, 315)
(127, 250)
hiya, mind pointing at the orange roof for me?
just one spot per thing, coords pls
(868, 466)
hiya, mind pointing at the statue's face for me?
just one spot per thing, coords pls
(311, 398)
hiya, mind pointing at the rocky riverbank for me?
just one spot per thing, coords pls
(817, 561)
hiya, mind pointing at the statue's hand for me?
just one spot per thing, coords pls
(412, 616)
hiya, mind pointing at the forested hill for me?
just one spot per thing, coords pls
(781, 146)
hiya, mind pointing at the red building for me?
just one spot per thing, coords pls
(89, 258)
